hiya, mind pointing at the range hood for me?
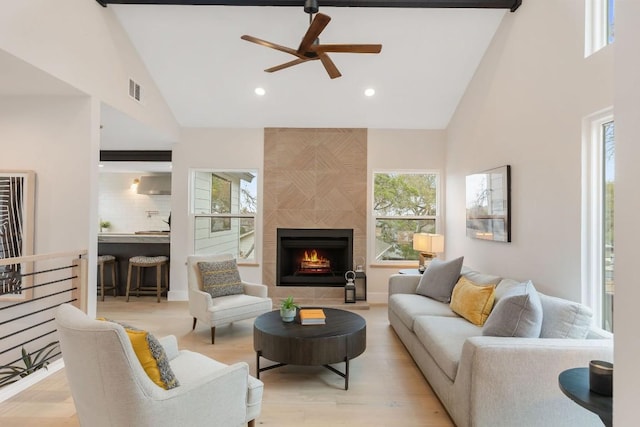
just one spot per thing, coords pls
(154, 185)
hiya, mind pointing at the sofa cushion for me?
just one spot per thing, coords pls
(439, 278)
(564, 319)
(503, 287)
(408, 306)
(443, 338)
(518, 313)
(480, 278)
(220, 278)
(472, 301)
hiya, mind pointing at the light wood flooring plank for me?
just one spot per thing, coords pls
(386, 389)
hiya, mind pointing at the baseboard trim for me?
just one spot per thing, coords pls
(11, 390)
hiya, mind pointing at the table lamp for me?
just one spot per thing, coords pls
(428, 245)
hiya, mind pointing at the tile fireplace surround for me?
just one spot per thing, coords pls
(313, 178)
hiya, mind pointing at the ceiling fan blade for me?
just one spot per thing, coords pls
(348, 48)
(329, 65)
(286, 65)
(317, 25)
(269, 44)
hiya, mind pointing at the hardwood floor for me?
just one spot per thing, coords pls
(386, 389)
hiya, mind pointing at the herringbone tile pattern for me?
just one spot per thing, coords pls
(314, 178)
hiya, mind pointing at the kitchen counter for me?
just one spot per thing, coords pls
(152, 237)
(126, 245)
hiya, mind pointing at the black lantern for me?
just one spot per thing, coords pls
(350, 287)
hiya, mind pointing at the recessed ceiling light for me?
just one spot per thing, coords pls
(369, 92)
(260, 91)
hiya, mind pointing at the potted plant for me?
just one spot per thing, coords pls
(10, 374)
(288, 309)
(104, 225)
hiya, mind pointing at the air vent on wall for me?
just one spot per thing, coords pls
(134, 90)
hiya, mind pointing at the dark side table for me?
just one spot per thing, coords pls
(574, 383)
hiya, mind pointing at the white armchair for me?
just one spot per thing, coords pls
(225, 309)
(110, 387)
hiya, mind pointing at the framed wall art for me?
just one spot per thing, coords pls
(488, 204)
(17, 210)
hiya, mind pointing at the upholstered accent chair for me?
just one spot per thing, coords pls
(110, 387)
(251, 301)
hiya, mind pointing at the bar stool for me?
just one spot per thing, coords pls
(107, 261)
(145, 262)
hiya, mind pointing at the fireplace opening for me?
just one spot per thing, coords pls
(313, 257)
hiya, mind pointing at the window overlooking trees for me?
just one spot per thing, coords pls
(598, 245)
(224, 206)
(404, 203)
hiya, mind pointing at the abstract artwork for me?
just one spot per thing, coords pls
(17, 198)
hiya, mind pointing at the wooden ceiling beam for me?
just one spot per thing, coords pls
(512, 5)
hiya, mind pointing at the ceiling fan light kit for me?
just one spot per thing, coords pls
(310, 48)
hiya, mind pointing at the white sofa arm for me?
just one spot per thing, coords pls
(199, 303)
(218, 397)
(508, 380)
(255, 289)
(403, 283)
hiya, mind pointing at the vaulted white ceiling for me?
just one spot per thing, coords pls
(207, 74)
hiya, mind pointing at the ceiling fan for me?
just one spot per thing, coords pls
(310, 48)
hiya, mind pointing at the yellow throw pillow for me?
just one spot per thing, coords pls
(472, 301)
(141, 348)
(151, 355)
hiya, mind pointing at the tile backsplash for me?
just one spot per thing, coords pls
(128, 211)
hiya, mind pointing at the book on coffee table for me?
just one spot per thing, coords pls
(312, 316)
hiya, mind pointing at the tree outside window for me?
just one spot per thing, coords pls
(220, 203)
(404, 204)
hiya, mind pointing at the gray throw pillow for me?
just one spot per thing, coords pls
(439, 278)
(220, 278)
(564, 318)
(518, 313)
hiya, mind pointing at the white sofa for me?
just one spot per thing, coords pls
(488, 380)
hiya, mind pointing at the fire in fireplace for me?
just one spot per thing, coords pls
(313, 257)
(314, 263)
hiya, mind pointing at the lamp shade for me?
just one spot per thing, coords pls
(430, 243)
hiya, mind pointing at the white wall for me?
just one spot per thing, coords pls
(231, 149)
(399, 150)
(82, 43)
(627, 233)
(524, 107)
(242, 149)
(128, 211)
(56, 138)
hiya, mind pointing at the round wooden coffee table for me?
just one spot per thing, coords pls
(342, 338)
